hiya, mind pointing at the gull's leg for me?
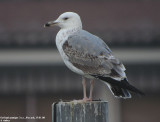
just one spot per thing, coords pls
(85, 98)
(91, 90)
(84, 89)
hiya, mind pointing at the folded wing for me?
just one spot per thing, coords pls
(90, 54)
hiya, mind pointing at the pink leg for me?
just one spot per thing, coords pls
(85, 98)
(84, 89)
(91, 90)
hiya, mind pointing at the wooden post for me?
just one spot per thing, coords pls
(95, 111)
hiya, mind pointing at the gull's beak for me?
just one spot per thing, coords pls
(51, 23)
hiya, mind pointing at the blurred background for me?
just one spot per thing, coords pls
(33, 75)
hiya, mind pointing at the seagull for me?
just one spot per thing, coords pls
(89, 56)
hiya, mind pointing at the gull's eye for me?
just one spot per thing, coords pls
(65, 18)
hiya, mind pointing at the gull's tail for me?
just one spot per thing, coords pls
(119, 88)
(119, 92)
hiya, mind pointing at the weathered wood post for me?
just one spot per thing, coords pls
(95, 111)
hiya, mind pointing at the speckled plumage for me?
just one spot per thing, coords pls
(91, 55)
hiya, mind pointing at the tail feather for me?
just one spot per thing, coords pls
(132, 88)
(119, 88)
(119, 92)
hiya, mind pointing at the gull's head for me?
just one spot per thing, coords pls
(66, 20)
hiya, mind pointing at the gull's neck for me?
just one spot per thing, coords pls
(64, 33)
(71, 30)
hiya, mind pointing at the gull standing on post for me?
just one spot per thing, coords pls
(89, 56)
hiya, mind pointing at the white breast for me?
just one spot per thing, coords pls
(61, 37)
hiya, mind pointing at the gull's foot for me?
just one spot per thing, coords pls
(84, 100)
(87, 99)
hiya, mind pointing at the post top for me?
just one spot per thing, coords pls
(78, 111)
(78, 102)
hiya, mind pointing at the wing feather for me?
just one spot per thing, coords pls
(90, 54)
